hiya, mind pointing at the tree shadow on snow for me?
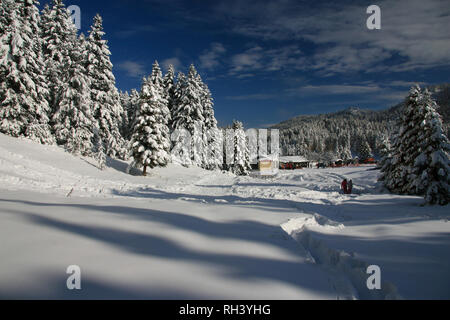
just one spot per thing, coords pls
(240, 267)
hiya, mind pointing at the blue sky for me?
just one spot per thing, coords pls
(267, 61)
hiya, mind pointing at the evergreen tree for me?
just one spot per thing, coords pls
(169, 90)
(74, 121)
(125, 101)
(212, 137)
(57, 34)
(241, 165)
(419, 163)
(104, 94)
(365, 152)
(430, 174)
(156, 76)
(24, 110)
(7, 8)
(385, 152)
(150, 142)
(404, 151)
(133, 110)
(188, 115)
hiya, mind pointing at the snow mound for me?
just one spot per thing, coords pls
(316, 220)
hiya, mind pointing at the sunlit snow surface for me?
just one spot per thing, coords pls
(193, 234)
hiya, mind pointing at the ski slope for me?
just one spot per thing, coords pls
(192, 234)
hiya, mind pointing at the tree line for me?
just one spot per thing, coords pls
(58, 87)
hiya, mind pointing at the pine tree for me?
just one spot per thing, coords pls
(385, 152)
(213, 139)
(57, 32)
(241, 165)
(404, 150)
(7, 8)
(133, 110)
(156, 76)
(365, 152)
(24, 110)
(419, 164)
(104, 94)
(125, 101)
(169, 90)
(74, 121)
(430, 174)
(150, 142)
(188, 115)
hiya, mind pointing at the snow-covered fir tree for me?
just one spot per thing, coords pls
(213, 138)
(104, 94)
(24, 110)
(188, 115)
(420, 155)
(7, 13)
(156, 76)
(385, 152)
(73, 119)
(430, 174)
(57, 29)
(241, 164)
(133, 110)
(364, 150)
(169, 89)
(125, 101)
(150, 143)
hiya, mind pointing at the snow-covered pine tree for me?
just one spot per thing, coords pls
(180, 137)
(125, 101)
(24, 110)
(430, 174)
(162, 102)
(104, 94)
(404, 150)
(132, 111)
(419, 163)
(169, 89)
(345, 147)
(156, 76)
(384, 152)
(150, 142)
(56, 34)
(188, 115)
(241, 165)
(6, 16)
(74, 122)
(213, 136)
(364, 152)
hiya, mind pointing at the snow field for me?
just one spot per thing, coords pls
(191, 234)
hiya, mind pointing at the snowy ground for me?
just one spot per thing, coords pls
(191, 234)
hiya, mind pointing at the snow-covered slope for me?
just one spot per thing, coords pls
(189, 233)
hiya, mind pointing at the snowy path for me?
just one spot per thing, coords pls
(189, 233)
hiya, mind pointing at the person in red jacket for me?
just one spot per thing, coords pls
(344, 186)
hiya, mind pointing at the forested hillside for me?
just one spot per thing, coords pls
(349, 133)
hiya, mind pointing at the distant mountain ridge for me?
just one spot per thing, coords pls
(341, 134)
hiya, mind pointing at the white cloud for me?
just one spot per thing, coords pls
(172, 61)
(257, 59)
(132, 68)
(414, 32)
(247, 61)
(209, 60)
